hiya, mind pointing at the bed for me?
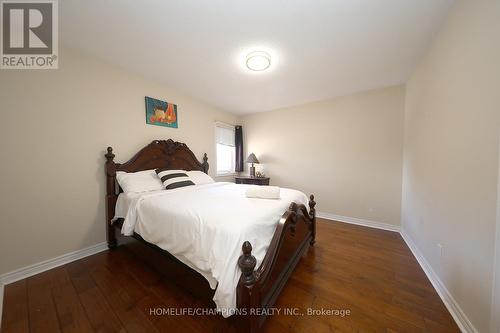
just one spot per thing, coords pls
(239, 254)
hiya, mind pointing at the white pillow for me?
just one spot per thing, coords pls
(142, 181)
(200, 178)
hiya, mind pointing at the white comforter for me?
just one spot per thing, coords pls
(204, 226)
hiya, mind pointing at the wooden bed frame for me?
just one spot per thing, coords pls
(257, 288)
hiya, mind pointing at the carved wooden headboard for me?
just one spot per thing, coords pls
(158, 154)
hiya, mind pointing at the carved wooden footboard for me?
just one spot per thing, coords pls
(257, 289)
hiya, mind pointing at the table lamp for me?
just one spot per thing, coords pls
(252, 159)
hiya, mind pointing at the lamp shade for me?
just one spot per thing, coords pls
(252, 159)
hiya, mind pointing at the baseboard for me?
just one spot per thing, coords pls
(457, 313)
(43, 266)
(358, 221)
(451, 304)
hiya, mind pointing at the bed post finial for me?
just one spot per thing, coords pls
(312, 217)
(312, 204)
(204, 165)
(109, 155)
(247, 263)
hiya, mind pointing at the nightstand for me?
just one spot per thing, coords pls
(251, 180)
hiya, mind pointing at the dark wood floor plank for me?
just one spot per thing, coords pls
(101, 316)
(41, 306)
(124, 302)
(98, 311)
(371, 273)
(72, 316)
(15, 311)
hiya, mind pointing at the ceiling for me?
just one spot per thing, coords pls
(320, 48)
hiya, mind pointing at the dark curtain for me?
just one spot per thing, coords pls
(238, 141)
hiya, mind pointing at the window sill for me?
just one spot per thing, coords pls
(229, 174)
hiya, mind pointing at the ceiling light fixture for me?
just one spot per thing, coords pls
(258, 61)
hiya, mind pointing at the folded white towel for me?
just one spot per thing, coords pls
(263, 192)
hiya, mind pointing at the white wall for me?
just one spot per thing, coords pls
(451, 155)
(347, 151)
(495, 304)
(55, 127)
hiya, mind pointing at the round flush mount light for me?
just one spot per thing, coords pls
(258, 61)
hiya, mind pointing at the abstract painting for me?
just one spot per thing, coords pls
(161, 113)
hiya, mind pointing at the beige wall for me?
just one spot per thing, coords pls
(495, 308)
(55, 126)
(451, 154)
(347, 151)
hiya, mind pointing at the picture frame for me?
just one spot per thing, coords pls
(161, 113)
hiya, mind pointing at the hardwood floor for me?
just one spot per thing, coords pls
(369, 272)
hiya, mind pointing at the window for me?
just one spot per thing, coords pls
(225, 148)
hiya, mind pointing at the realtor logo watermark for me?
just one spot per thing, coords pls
(29, 37)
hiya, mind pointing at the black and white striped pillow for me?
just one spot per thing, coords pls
(174, 178)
